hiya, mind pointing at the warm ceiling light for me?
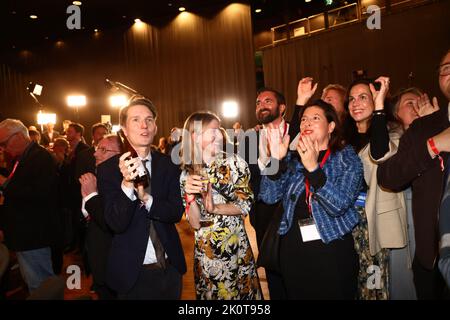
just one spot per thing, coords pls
(44, 118)
(259, 10)
(307, 0)
(137, 20)
(182, 9)
(118, 101)
(95, 30)
(76, 101)
(230, 109)
(35, 88)
(77, 3)
(33, 16)
(115, 128)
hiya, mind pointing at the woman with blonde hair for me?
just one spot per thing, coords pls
(217, 196)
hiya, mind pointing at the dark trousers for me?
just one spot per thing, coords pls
(275, 283)
(103, 292)
(429, 283)
(156, 284)
(260, 218)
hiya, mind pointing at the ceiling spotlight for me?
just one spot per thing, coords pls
(77, 3)
(307, 0)
(181, 9)
(33, 16)
(76, 101)
(230, 109)
(115, 128)
(44, 118)
(118, 101)
(259, 10)
(169, 4)
(95, 30)
(137, 20)
(34, 88)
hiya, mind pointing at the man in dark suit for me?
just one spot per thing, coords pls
(98, 235)
(29, 211)
(444, 217)
(77, 146)
(86, 159)
(270, 109)
(422, 151)
(146, 259)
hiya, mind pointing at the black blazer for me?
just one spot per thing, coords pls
(412, 165)
(29, 212)
(130, 221)
(85, 162)
(98, 239)
(74, 187)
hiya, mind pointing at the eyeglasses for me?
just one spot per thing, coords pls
(5, 142)
(444, 69)
(104, 150)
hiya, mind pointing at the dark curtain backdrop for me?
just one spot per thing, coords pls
(411, 41)
(193, 62)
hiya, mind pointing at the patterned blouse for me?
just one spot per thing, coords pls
(224, 267)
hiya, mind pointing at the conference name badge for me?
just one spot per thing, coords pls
(308, 230)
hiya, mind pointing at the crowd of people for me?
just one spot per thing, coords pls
(349, 199)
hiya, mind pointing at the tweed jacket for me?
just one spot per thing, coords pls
(332, 205)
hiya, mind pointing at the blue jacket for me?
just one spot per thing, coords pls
(333, 205)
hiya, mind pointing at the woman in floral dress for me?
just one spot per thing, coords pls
(215, 188)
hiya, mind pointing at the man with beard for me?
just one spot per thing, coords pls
(270, 110)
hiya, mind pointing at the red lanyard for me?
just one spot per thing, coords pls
(307, 190)
(10, 175)
(285, 129)
(13, 170)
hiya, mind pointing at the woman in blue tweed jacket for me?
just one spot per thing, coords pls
(318, 190)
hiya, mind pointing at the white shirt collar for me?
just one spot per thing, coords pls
(148, 157)
(448, 111)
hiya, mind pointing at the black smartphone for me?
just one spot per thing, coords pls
(376, 85)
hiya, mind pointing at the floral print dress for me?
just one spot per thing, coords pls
(224, 267)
